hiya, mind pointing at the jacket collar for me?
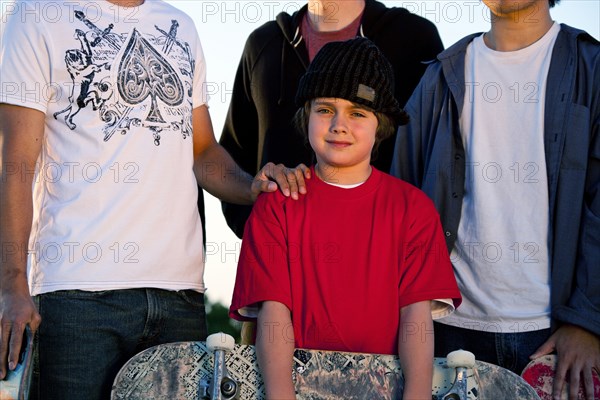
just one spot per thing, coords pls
(453, 66)
(453, 60)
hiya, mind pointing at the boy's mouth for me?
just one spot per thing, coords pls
(338, 143)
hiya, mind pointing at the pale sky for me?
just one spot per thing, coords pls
(223, 27)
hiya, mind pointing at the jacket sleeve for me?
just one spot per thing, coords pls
(583, 307)
(408, 159)
(240, 135)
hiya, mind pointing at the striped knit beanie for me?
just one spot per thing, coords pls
(354, 70)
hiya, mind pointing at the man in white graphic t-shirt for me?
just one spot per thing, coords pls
(105, 134)
(504, 137)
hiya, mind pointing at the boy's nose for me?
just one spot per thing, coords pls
(338, 124)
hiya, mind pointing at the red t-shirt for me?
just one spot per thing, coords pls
(344, 261)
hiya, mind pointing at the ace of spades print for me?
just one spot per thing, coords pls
(131, 79)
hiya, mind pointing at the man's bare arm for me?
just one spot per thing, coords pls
(21, 136)
(218, 173)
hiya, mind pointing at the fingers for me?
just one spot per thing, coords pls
(580, 379)
(574, 383)
(259, 186)
(11, 335)
(35, 322)
(302, 172)
(559, 381)
(286, 180)
(588, 383)
(289, 180)
(295, 179)
(547, 348)
(16, 340)
(10, 347)
(4, 338)
(578, 353)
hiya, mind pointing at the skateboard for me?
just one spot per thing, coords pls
(539, 373)
(220, 369)
(15, 385)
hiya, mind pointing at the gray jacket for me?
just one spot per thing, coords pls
(429, 154)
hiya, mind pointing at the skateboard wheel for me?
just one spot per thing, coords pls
(460, 358)
(229, 388)
(220, 341)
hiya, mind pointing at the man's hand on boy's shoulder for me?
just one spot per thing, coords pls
(289, 180)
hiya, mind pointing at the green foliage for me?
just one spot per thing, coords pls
(217, 316)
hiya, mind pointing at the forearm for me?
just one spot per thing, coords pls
(215, 169)
(415, 349)
(218, 174)
(21, 132)
(275, 350)
(15, 225)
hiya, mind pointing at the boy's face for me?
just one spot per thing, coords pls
(342, 134)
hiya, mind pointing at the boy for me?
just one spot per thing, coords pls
(357, 232)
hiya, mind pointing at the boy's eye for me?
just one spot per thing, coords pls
(322, 111)
(358, 114)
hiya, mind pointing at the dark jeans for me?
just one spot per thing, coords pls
(508, 350)
(86, 337)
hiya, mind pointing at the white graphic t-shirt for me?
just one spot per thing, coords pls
(114, 190)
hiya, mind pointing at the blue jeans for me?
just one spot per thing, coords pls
(508, 350)
(86, 337)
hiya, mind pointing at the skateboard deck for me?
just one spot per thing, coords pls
(184, 370)
(540, 372)
(15, 386)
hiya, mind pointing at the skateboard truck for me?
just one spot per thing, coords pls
(222, 387)
(461, 360)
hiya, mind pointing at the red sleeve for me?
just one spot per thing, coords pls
(427, 273)
(263, 272)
